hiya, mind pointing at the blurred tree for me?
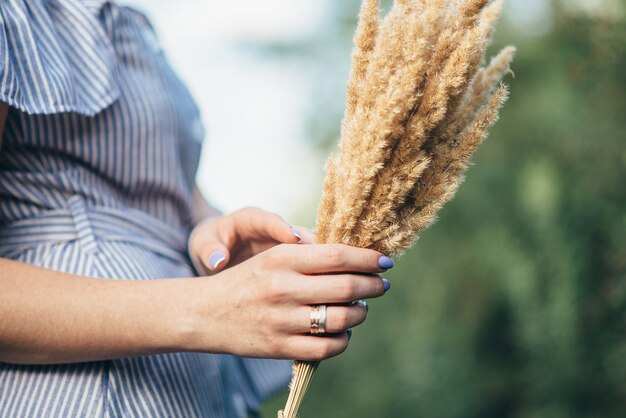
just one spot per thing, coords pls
(514, 303)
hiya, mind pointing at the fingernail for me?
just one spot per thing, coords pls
(385, 263)
(297, 234)
(216, 259)
(363, 304)
(349, 332)
(386, 285)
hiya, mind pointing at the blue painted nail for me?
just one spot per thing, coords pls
(216, 258)
(349, 332)
(386, 284)
(385, 262)
(297, 234)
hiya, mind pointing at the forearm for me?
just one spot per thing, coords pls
(51, 317)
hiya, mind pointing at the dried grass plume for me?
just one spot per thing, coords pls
(420, 99)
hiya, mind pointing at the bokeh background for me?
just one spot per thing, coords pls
(514, 303)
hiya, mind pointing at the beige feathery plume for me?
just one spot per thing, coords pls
(394, 77)
(440, 181)
(471, 8)
(364, 40)
(418, 105)
(451, 68)
(490, 16)
(363, 150)
(485, 81)
(327, 203)
(480, 40)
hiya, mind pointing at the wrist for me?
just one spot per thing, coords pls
(195, 325)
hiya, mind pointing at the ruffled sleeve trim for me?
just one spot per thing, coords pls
(55, 57)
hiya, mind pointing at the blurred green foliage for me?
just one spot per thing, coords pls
(514, 303)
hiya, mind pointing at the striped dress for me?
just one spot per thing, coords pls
(97, 164)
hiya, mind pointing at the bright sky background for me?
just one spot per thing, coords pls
(256, 151)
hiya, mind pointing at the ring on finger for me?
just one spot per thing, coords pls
(318, 319)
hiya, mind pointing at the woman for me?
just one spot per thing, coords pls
(99, 149)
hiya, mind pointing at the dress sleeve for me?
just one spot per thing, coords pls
(55, 56)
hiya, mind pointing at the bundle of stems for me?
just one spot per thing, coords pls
(420, 100)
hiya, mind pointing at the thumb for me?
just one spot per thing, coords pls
(208, 250)
(214, 256)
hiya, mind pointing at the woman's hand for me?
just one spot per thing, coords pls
(262, 307)
(258, 308)
(228, 240)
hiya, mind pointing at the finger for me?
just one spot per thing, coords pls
(331, 258)
(257, 223)
(214, 256)
(307, 236)
(340, 288)
(339, 318)
(209, 245)
(212, 249)
(315, 348)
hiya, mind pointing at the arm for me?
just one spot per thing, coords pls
(259, 308)
(52, 317)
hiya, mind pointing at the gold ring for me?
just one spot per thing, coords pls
(318, 319)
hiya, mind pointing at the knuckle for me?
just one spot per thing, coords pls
(334, 255)
(277, 346)
(273, 289)
(282, 251)
(343, 319)
(248, 210)
(348, 288)
(275, 320)
(269, 348)
(372, 260)
(322, 351)
(274, 217)
(286, 347)
(274, 256)
(266, 258)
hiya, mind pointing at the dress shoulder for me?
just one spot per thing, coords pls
(55, 56)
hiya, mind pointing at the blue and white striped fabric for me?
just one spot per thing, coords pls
(97, 164)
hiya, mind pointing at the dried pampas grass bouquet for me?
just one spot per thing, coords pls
(420, 100)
